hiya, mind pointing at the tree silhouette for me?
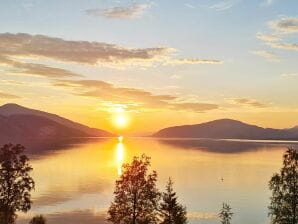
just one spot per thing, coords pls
(136, 195)
(39, 219)
(15, 182)
(283, 208)
(171, 212)
(225, 214)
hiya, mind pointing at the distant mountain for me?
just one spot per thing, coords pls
(227, 129)
(17, 122)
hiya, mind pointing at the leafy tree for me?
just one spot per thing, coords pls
(171, 212)
(39, 219)
(283, 208)
(15, 182)
(136, 195)
(225, 214)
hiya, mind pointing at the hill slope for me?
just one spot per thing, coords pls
(18, 122)
(227, 129)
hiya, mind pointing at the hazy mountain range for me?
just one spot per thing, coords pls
(17, 122)
(227, 129)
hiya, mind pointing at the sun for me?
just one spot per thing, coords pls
(121, 120)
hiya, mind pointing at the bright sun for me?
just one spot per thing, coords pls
(121, 120)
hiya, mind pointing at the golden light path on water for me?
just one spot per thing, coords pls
(120, 154)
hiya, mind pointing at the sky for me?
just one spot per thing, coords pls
(134, 67)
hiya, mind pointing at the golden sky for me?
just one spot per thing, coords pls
(135, 67)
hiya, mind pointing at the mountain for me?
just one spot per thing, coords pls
(227, 129)
(17, 122)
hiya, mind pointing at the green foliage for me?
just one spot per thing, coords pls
(15, 182)
(225, 214)
(39, 219)
(171, 212)
(136, 195)
(283, 208)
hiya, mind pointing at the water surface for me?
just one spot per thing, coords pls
(75, 179)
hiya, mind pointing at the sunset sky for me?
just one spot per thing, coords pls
(134, 67)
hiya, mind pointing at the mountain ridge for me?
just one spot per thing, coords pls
(227, 129)
(17, 122)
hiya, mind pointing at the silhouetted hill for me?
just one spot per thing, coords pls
(227, 129)
(17, 122)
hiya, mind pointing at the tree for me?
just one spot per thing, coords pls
(136, 195)
(225, 214)
(283, 208)
(15, 182)
(171, 212)
(39, 219)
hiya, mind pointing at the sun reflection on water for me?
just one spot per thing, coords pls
(120, 154)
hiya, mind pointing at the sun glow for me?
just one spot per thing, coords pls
(121, 120)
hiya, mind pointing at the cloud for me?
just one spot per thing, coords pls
(285, 46)
(12, 82)
(128, 12)
(267, 55)
(289, 75)
(39, 46)
(247, 102)
(268, 37)
(35, 69)
(285, 25)
(223, 5)
(280, 28)
(198, 107)
(26, 45)
(176, 76)
(8, 96)
(268, 2)
(188, 5)
(140, 98)
(194, 61)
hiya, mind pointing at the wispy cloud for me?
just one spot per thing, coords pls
(92, 53)
(223, 5)
(280, 28)
(140, 98)
(268, 2)
(289, 75)
(268, 37)
(176, 76)
(247, 102)
(192, 61)
(188, 5)
(14, 66)
(124, 12)
(196, 107)
(285, 25)
(8, 96)
(285, 46)
(270, 56)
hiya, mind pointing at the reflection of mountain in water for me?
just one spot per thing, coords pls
(224, 146)
(71, 217)
(41, 146)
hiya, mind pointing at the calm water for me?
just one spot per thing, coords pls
(75, 181)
